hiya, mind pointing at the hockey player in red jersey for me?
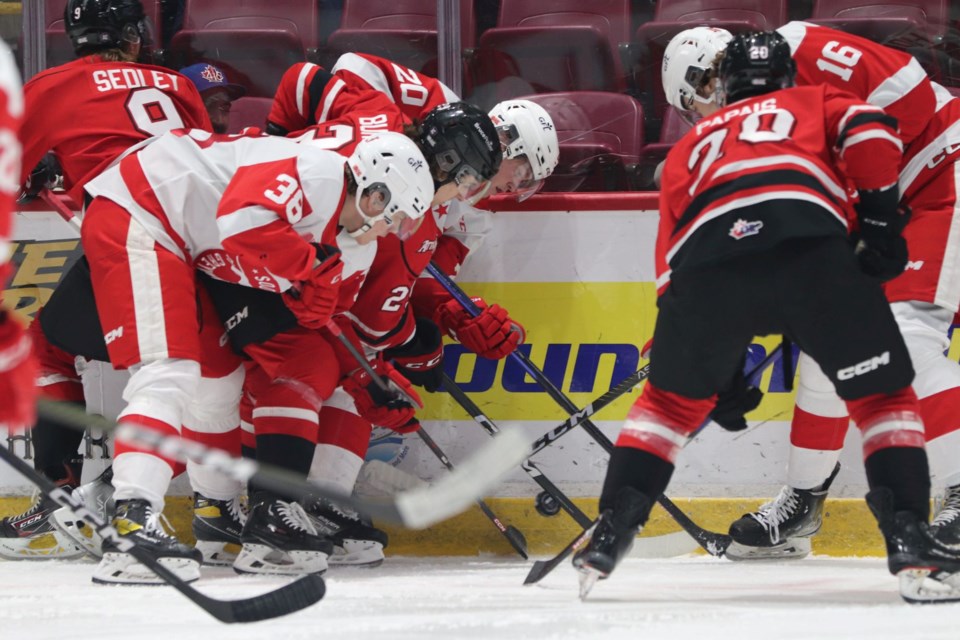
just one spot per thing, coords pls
(262, 212)
(18, 365)
(86, 113)
(924, 298)
(753, 240)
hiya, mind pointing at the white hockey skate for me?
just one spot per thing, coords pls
(97, 497)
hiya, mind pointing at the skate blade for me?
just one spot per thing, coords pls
(588, 577)
(261, 559)
(122, 568)
(45, 546)
(357, 553)
(218, 554)
(928, 585)
(790, 549)
(78, 532)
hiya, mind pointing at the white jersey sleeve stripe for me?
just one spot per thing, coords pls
(244, 220)
(898, 85)
(331, 97)
(302, 88)
(870, 135)
(362, 67)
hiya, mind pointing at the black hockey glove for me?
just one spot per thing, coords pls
(880, 247)
(46, 175)
(735, 402)
(421, 359)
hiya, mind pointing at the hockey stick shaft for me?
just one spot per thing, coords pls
(416, 508)
(713, 543)
(511, 533)
(62, 209)
(292, 597)
(528, 465)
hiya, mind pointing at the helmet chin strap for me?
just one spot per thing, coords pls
(368, 222)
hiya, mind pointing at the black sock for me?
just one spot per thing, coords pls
(905, 471)
(289, 452)
(55, 449)
(629, 467)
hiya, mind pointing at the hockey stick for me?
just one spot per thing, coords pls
(47, 196)
(511, 533)
(292, 597)
(415, 509)
(712, 543)
(527, 465)
(718, 541)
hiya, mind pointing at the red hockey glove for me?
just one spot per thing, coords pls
(381, 408)
(420, 359)
(18, 373)
(314, 301)
(492, 334)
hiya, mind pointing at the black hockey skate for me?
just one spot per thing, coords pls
(136, 519)
(611, 539)
(278, 538)
(928, 571)
(946, 523)
(97, 497)
(217, 525)
(782, 528)
(356, 543)
(31, 535)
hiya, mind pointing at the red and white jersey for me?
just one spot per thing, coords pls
(764, 169)
(88, 112)
(384, 313)
(308, 94)
(11, 111)
(888, 78)
(375, 114)
(244, 209)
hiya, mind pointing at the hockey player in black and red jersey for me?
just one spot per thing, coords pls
(753, 240)
(83, 115)
(924, 298)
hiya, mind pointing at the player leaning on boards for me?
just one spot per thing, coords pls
(85, 113)
(753, 240)
(924, 298)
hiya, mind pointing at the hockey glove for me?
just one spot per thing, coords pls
(314, 301)
(420, 359)
(46, 175)
(735, 402)
(384, 408)
(492, 334)
(18, 373)
(880, 247)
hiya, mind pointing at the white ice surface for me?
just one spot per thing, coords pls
(698, 598)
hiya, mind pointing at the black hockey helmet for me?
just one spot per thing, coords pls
(754, 64)
(94, 25)
(460, 139)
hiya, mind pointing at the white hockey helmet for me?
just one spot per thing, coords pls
(392, 165)
(527, 130)
(687, 65)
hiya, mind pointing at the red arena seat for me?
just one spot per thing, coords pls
(554, 45)
(254, 40)
(601, 136)
(899, 23)
(248, 112)
(401, 30)
(673, 128)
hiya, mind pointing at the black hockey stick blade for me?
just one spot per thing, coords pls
(287, 599)
(541, 568)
